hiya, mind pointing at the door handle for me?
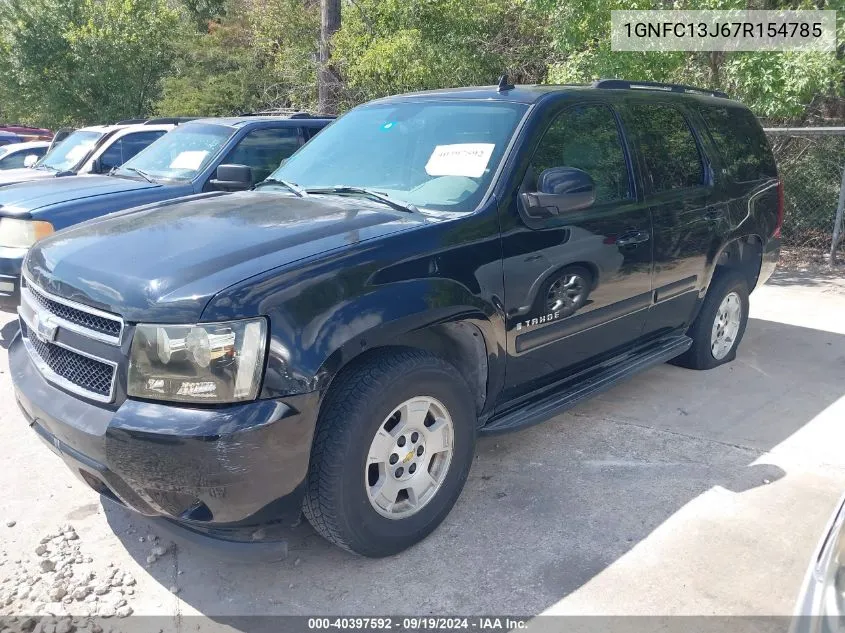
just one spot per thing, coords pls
(633, 238)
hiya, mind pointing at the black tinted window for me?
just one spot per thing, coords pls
(586, 138)
(13, 161)
(742, 145)
(126, 147)
(668, 147)
(264, 150)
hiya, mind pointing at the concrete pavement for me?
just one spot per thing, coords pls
(677, 492)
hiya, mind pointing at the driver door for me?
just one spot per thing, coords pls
(577, 278)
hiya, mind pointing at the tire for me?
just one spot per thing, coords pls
(702, 354)
(342, 478)
(545, 304)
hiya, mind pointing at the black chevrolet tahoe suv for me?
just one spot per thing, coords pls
(430, 267)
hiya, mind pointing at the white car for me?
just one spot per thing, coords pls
(17, 155)
(92, 150)
(821, 603)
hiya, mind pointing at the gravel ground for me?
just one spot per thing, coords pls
(677, 492)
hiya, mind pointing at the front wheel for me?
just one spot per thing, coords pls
(394, 443)
(720, 325)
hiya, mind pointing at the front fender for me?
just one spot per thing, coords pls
(325, 311)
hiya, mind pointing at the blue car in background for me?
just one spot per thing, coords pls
(201, 156)
(7, 138)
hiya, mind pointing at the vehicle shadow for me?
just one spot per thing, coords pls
(8, 332)
(549, 508)
(814, 277)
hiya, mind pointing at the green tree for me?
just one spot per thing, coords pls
(390, 46)
(83, 61)
(214, 74)
(287, 36)
(200, 13)
(774, 85)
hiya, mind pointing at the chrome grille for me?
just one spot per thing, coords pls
(79, 363)
(95, 322)
(86, 373)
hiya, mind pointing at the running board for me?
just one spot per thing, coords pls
(554, 403)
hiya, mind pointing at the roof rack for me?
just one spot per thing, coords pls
(169, 120)
(291, 113)
(622, 84)
(130, 122)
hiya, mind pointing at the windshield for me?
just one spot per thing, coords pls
(67, 154)
(434, 154)
(180, 154)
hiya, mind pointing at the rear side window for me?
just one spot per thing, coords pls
(668, 147)
(741, 142)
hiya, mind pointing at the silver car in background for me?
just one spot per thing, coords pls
(821, 603)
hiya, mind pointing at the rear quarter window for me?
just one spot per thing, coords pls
(743, 147)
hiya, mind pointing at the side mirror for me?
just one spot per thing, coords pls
(233, 178)
(97, 166)
(560, 189)
(30, 160)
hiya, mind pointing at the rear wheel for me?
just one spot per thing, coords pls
(394, 444)
(720, 325)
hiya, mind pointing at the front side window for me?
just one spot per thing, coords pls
(434, 154)
(586, 138)
(180, 154)
(126, 147)
(668, 147)
(70, 152)
(264, 150)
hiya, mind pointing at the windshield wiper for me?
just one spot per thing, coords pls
(142, 174)
(399, 205)
(299, 191)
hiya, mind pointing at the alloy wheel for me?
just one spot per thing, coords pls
(726, 326)
(409, 457)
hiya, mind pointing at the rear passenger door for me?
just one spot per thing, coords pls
(688, 218)
(577, 284)
(264, 149)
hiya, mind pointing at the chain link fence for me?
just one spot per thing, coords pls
(811, 162)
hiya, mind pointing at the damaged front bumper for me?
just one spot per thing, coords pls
(224, 472)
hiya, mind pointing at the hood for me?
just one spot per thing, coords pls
(24, 174)
(25, 197)
(164, 263)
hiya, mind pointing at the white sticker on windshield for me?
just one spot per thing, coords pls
(77, 152)
(189, 160)
(460, 159)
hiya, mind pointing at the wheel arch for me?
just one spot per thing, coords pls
(460, 342)
(744, 254)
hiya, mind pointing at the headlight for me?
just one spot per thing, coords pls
(17, 233)
(208, 362)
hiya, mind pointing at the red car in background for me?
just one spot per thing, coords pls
(28, 133)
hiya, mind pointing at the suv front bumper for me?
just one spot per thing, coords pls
(220, 471)
(11, 261)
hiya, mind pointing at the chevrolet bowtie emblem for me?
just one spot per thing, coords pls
(45, 328)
